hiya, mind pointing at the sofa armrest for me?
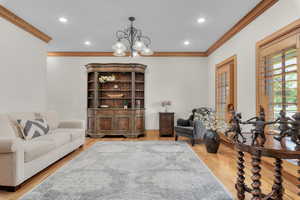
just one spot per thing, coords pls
(12, 161)
(9, 145)
(73, 124)
(183, 122)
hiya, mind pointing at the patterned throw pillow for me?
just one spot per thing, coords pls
(33, 128)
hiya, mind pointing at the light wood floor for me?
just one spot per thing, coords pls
(223, 165)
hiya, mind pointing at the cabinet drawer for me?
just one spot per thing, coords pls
(123, 112)
(104, 112)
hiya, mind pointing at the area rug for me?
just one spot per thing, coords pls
(137, 170)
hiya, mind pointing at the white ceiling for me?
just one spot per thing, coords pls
(167, 22)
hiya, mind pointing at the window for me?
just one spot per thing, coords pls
(225, 88)
(277, 74)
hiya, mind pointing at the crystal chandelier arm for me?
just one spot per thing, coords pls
(121, 35)
(146, 40)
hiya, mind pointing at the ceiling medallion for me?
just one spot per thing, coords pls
(137, 43)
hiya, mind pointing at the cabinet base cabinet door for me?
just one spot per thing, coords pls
(112, 122)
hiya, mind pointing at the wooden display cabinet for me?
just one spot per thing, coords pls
(106, 114)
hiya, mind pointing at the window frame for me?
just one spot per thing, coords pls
(291, 35)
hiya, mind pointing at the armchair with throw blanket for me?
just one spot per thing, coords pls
(192, 128)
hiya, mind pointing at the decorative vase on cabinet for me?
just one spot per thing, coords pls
(115, 99)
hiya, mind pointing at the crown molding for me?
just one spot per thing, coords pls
(259, 9)
(110, 54)
(13, 18)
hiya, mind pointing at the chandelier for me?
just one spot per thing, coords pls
(137, 43)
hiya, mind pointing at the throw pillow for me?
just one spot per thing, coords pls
(33, 128)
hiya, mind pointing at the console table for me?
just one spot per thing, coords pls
(278, 152)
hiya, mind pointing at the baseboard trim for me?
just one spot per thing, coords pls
(10, 188)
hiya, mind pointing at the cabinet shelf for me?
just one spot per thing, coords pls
(109, 98)
(114, 90)
(117, 81)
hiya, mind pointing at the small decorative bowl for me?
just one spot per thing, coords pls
(115, 95)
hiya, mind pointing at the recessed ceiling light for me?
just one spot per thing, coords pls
(63, 20)
(88, 43)
(186, 42)
(201, 20)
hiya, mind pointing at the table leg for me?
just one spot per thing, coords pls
(277, 187)
(256, 191)
(240, 186)
(299, 177)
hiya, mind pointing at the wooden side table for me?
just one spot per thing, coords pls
(166, 124)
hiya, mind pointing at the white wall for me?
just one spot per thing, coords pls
(243, 45)
(181, 80)
(22, 70)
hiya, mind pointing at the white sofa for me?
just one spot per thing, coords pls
(21, 159)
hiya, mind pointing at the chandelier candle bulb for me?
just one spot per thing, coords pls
(139, 45)
(119, 46)
(147, 52)
(119, 52)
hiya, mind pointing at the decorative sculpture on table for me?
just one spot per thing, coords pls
(295, 129)
(259, 123)
(284, 127)
(288, 127)
(235, 122)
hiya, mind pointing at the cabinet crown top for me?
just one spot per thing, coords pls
(115, 65)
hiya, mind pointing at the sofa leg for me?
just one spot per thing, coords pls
(10, 188)
(176, 137)
(193, 142)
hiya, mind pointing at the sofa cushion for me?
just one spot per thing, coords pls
(75, 133)
(52, 119)
(33, 128)
(36, 148)
(185, 129)
(58, 138)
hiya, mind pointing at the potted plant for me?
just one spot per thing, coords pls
(213, 126)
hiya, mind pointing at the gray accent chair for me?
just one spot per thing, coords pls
(193, 129)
